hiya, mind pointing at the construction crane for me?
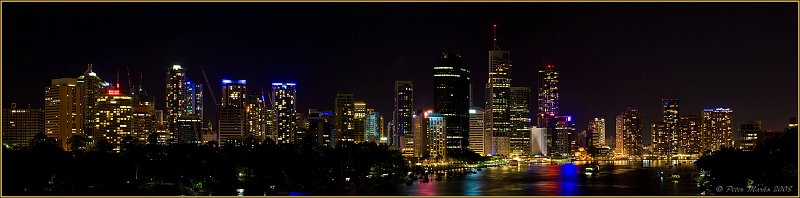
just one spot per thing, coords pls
(208, 85)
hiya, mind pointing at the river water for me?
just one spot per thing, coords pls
(633, 178)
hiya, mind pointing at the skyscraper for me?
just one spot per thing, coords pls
(598, 128)
(748, 135)
(690, 128)
(63, 111)
(372, 123)
(477, 131)
(231, 111)
(520, 112)
(498, 94)
(321, 127)
(143, 122)
(177, 101)
(717, 130)
(256, 114)
(403, 113)
(418, 146)
(629, 132)
(114, 117)
(451, 100)
(660, 139)
(548, 95)
(284, 107)
(91, 87)
(189, 129)
(20, 125)
(194, 99)
(561, 133)
(360, 113)
(671, 119)
(344, 115)
(437, 132)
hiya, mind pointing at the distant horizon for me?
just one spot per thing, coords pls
(609, 56)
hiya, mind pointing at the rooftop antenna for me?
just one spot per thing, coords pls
(117, 78)
(141, 82)
(494, 37)
(130, 86)
(90, 67)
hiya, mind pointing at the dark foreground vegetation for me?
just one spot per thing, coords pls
(249, 168)
(770, 169)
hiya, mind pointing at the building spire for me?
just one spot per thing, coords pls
(90, 67)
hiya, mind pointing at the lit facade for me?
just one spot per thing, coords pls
(660, 139)
(690, 128)
(194, 99)
(402, 117)
(113, 117)
(561, 134)
(256, 111)
(63, 111)
(629, 132)
(144, 121)
(598, 128)
(284, 107)
(20, 125)
(91, 88)
(520, 112)
(373, 125)
(748, 135)
(451, 100)
(548, 95)
(177, 100)
(231, 112)
(670, 117)
(717, 130)
(498, 94)
(344, 114)
(477, 131)
(437, 140)
(359, 115)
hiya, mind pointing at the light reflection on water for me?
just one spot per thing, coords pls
(614, 178)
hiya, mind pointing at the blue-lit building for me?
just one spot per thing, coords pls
(373, 127)
(232, 114)
(284, 108)
(321, 127)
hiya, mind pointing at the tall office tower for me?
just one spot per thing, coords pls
(629, 132)
(418, 146)
(143, 122)
(451, 100)
(598, 128)
(91, 87)
(383, 136)
(660, 139)
(372, 123)
(20, 125)
(63, 111)
(539, 141)
(477, 131)
(717, 130)
(403, 113)
(345, 117)
(321, 127)
(256, 111)
(548, 95)
(284, 107)
(189, 129)
(498, 94)
(437, 136)
(269, 119)
(748, 135)
(520, 137)
(360, 113)
(561, 133)
(177, 98)
(671, 119)
(301, 127)
(114, 117)
(231, 112)
(194, 99)
(690, 128)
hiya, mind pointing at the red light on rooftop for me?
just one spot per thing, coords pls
(113, 92)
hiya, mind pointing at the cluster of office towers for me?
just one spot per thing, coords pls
(96, 110)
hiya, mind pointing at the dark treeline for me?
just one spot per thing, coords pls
(139, 168)
(771, 164)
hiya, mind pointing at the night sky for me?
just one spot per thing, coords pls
(610, 55)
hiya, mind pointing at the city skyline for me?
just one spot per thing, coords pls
(317, 84)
